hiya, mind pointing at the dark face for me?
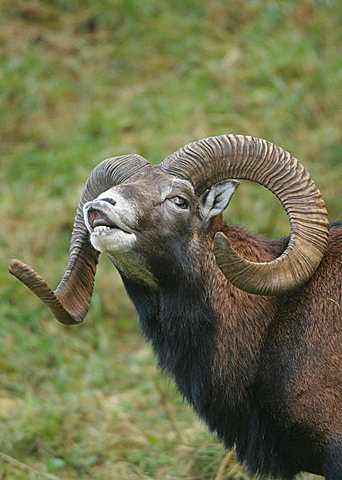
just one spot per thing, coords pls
(146, 225)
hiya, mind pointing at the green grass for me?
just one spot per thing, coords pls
(84, 80)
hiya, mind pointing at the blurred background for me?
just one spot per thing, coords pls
(82, 80)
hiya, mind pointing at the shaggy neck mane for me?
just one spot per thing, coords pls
(181, 324)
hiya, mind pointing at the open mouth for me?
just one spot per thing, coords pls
(100, 223)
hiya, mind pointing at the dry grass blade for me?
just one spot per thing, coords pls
(26, 468)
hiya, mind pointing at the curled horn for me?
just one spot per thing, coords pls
(214, 159)
(70, 301)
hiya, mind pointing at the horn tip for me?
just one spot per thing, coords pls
(221, 241)
(14, 266)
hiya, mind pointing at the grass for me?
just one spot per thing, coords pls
(79, 82)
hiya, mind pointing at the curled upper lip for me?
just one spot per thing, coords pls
(98, 214)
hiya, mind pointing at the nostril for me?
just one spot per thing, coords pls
(109, 200)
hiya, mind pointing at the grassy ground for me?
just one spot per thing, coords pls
(84, 80)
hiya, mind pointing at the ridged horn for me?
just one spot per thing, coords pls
(214, 159)
(70, 301)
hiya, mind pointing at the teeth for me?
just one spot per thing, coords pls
(101, 229)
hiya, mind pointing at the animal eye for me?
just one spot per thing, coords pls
(180, 202)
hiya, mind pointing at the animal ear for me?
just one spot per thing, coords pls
(215, 200)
